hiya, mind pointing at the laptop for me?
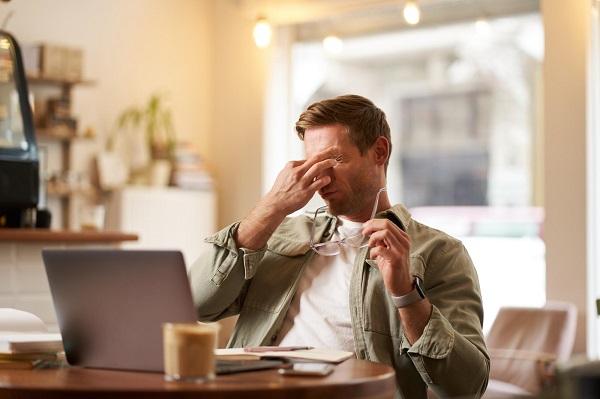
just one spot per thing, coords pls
(111, 303)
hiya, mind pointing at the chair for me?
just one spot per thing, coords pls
(525, 343)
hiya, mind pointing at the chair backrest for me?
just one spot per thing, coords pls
(522, 340)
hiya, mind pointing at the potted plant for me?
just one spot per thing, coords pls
(150, 127)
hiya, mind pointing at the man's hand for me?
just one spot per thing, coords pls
(297, 183)
(391, 247)
(293, 188)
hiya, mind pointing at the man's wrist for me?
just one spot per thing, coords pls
(415, 295)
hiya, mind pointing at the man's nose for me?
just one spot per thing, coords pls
(326, 172)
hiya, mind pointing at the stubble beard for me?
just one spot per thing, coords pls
(363, 188)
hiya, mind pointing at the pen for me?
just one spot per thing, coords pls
(276, 348)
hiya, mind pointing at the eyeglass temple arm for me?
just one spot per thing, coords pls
(312, 233)
(377, 202)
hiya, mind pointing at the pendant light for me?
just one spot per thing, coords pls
(412, 13)
(262, 33)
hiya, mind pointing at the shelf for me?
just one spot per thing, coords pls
(57, 190)
(58, 82)
(43, 133)
(46, 235)
(59, 133)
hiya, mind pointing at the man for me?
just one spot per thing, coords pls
(387, 288)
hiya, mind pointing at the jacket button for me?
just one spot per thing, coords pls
(273, 338)
(326, 234)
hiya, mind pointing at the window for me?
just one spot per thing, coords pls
(461, 105)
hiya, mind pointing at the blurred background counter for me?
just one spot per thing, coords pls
(23, 282)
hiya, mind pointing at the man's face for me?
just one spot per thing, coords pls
(354, 182)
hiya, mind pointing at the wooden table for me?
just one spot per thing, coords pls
(351, 379)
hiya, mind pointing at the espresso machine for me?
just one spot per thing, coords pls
(19, 161)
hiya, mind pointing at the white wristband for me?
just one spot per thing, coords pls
(414, 296)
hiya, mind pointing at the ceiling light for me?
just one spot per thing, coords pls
(333, 44)
(262, 33)
(483, 26)
(412, 13)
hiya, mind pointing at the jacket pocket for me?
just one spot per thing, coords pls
(380, 316)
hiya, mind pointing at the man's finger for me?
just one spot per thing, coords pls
(315, 170)
(326, 154)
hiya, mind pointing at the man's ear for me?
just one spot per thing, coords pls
(382, 150)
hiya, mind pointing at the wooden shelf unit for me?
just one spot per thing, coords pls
(61, 138)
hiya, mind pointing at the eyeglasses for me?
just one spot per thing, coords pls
(331, 248)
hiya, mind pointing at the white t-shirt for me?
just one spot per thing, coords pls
(319, 314)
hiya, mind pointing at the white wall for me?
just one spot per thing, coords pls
(200, 52)
(240, 70)
(132, 49)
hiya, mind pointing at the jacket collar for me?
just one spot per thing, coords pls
(397, 214)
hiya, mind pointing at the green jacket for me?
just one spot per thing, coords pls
(450, 357)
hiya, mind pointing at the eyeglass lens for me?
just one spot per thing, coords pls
(331, 248)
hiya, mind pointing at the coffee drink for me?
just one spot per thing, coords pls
(189, 351)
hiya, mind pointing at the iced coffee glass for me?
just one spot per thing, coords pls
(189, 351)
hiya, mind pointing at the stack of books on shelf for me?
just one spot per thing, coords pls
(25, 341)
(190, 170)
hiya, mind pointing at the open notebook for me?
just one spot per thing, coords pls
(110, 305)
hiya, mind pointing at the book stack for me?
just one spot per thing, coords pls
(25, 341)
(190, 170)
